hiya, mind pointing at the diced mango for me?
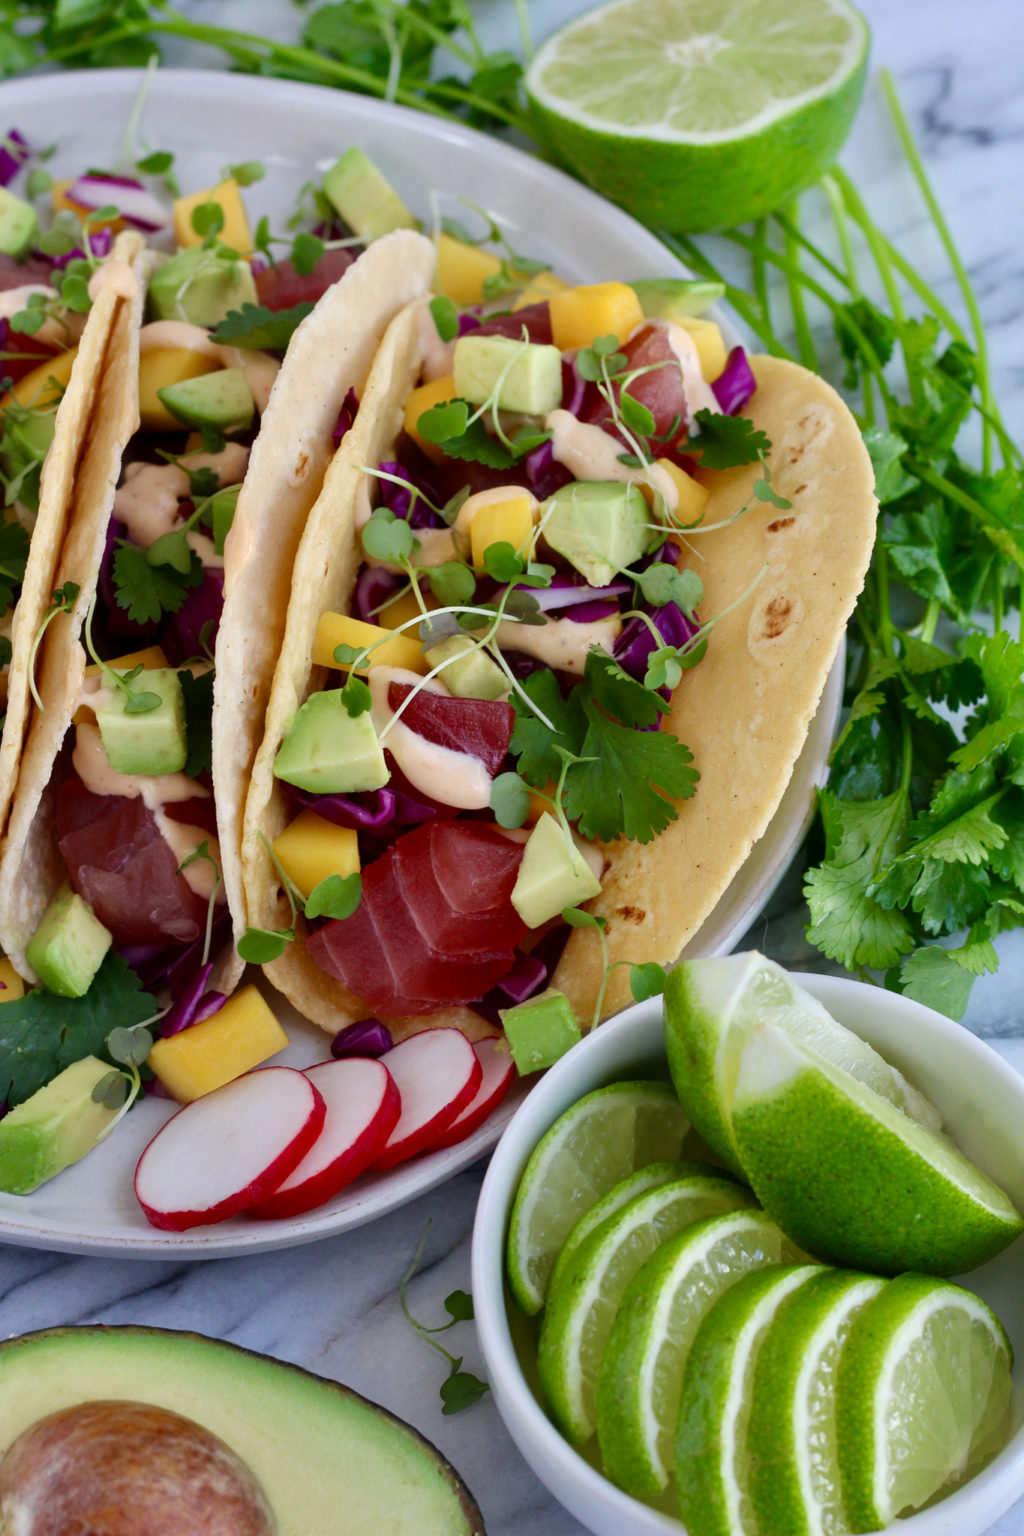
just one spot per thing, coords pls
(242, 1033)
(160, 366)
(13, 986)
(421, 399)
(692, 496)
(462, 269)
(151, 657)
(501, 522)
(235, 231)
(34, 388)
(579, 315)
(401, 609)
(341, 629)
(710, 344)
(542, 286)
(62, 203)
(310, 848)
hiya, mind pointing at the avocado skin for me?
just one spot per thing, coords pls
(228, 1389)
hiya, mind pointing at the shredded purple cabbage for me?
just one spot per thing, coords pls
(183, 635)
(373, 588)
(346, 416)
(544, 473)
(193, 1004)
(636, 644)
(14, 151)
(735, 384)
(367, 1038)
(371, 810)
(100, 242)
(399, 499)
(468, 322)
(528, 976)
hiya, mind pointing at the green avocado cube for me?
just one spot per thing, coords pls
(676, 298)
(364, 197)
(222, 400)
(600, 526)
(526, 374)
(153, 741)
(540, 1030)
(330, 752)
(19, 225)
(469, 673)
(68, 947)
(199, 286)
(53, 1128)
(553, 875)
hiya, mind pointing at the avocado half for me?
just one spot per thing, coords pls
(327, 1459)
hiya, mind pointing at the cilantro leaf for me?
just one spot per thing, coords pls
(147, 591)
(532, 742)
(618, 693)
(268, 330)
(848, 923)
(623, 783)
(41, 1034)
(13, 555)
(197, 690)
(727, 441)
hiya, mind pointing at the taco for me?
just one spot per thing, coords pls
(584, 516)
(115, 799)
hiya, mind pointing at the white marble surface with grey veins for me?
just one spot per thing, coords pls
(334, 1307)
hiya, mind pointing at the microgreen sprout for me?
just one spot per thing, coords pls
(62, 600)
(460, 1389)
(203, 852)
(137, 701)
(118, 1090)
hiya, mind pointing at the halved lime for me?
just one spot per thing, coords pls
(641, 1374)
(853, 1179)
(791, 1434)
(710, 1008)
(924, 1389)
(697, 114)
(585, 1295)
(712, 1467)
(599, 1140)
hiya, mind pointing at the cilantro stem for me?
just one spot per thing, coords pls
(805, 340)
(759, 268)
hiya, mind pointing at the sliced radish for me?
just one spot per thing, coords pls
(363, 1106)
(498, 1070)
(229, 1149)
(437, 1074)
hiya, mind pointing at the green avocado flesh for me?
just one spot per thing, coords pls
(327, 1459)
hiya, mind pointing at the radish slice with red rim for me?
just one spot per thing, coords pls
(497, 1072)
(437, 1074)
(363, 1106)
(227, 1150)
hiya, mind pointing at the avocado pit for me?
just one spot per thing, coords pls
(117, 1468)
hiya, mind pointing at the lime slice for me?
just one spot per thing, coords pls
(695, 114)
(851, 1177)
(712, 1469)
(924, 1383)
(641, 1373)
(711, 1007)
(581, 1306)
(598, 1141)
(791, 1433)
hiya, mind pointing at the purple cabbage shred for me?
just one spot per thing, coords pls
(14, 152)
(735, 384)
(346, 416)
(369, 1037)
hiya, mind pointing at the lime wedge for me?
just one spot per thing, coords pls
(581, 1306)
(641, 1375)
(924, 1384)
(696, 114)
(598, 1141)
(710, 1008)
(712, 1469)
(791, 1434)
(851, 1177)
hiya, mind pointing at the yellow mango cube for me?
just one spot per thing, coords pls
(400, 610)
(160, 366)
(62, 203)
(310, 848)
(710, 344)
(35, 389)
(152, 657)
(421, 399)
(691, 496)
(242, 1033)
(501, 522)
(341, 629)
(542, 286)
(580, 315)
(462, 269)
(227, 195)
(11, 982)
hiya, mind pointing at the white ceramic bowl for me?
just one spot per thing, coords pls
(982, 1102)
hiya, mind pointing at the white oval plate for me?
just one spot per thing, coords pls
(209, 121)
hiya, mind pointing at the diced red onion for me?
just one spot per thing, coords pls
(367, 1038)
(14, 152)
(565, 592)
(735, 384)
(134, 202)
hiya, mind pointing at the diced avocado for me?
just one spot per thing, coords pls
(553, 875)
(154, 741)
(222, 400)
(676, 298)
(469, 672)
(68, 947)
(19, 225)
(330, 752)
(199, 286)
(533, 382)
(27, 436)
(600, 526)
(540, 1030)
(60, 1123)
(364, 197)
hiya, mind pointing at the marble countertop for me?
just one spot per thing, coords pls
(334, 1306)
